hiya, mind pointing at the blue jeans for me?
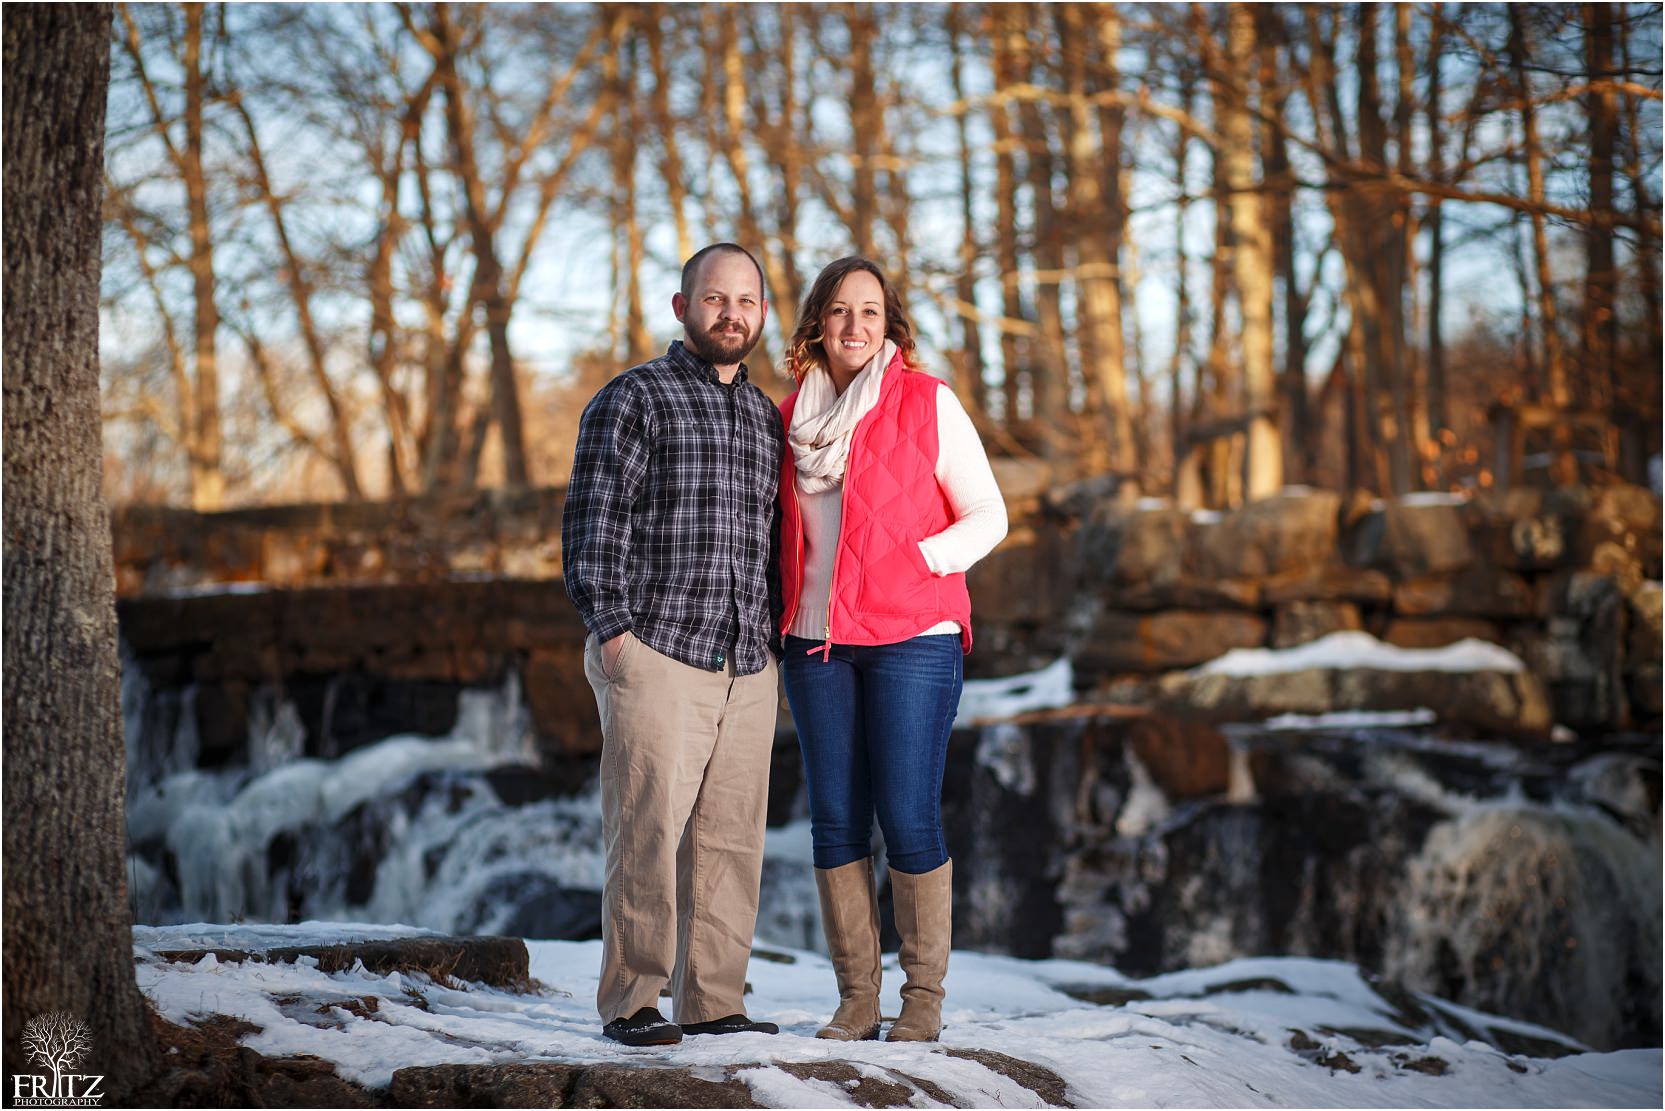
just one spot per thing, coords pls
(873, 723)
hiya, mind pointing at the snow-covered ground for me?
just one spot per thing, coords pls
(1270, 1032)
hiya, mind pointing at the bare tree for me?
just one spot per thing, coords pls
(1358, 153)
(199, 405)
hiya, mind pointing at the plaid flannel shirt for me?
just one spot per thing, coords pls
(671, 527)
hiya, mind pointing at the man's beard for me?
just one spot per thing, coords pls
(720, 348)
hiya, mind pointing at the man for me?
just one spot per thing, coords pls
(666, 545)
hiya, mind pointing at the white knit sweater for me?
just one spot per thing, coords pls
(979, 523)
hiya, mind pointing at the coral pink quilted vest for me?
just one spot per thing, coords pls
(882, 591)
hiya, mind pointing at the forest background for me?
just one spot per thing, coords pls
(371, 251)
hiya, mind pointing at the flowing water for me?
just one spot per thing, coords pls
(1525, 882)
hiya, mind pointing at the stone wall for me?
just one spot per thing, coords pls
(385, 610)
(514, 535)
(1567, 579)
(358, 663)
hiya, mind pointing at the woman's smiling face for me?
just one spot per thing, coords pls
(853, 328)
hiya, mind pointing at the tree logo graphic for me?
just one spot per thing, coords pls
(57, 1041)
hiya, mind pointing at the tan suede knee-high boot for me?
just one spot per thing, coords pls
(924, 918)
(850, 917)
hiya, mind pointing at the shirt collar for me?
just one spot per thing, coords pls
(679, 354)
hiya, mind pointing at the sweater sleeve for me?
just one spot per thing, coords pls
(966, 478)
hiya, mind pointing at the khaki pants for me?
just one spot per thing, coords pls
(684, 788)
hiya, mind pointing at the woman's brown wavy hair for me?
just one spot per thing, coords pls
(804, 353)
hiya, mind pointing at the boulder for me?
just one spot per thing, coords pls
(1028, 579)
(1437, 632)
(1022, 480)
(561, 702)
(1580, 648)
(500, 962)
(1331, 582)
(1475, 592)
(1075, 500)
(203, 1065)
(529, 1084)
(1148, 642)
(1644, 687)
(1424, 535)
(1509, 703)
(1133, 545)
(1298, 622)
(1293, 530)
(1516, 528)
(1186, 592)
(1647, 629)
(548, 1084)
(1046, 1084)
(1187, 759)
(1620, 534)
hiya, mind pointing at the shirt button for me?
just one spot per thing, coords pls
(719, 659)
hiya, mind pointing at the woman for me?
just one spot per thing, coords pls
(887, 498)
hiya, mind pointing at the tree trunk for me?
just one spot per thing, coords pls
(1213, 402)
(676, 185)
(1182, 304)
(786, 282)
(341, 455)
(488, 274)
(864, 125)
(618, 70)
(1554, 363)
(1438, 417)
(1252, 265)
(391, 226)
(1370, 228)
(1005, 31)
(1641, 379)
(781, 132)
(207, 478)
(731, 65)
(440, 442)
(1295, 419)
(1097, 246)
(68, 928)
(1409, 395)
(1600, 323)
(1564, 469)
(969, 380)
(1379, 237)
(1049, 370)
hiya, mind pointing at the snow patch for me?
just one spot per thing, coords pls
(1354, 719)
(1050, 687)
(1359, 650)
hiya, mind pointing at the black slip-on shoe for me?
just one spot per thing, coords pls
(646, 1027)
(733, 1024)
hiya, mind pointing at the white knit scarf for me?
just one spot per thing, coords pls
(823, 419)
